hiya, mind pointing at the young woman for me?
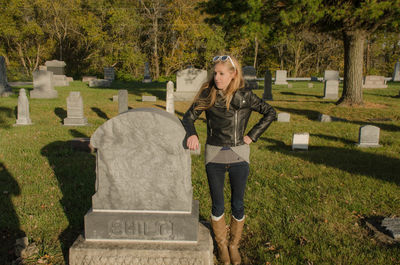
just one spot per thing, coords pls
(228, 105)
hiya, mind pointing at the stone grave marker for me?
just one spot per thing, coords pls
(331, 89)
(188, 83)
(300, 141)
(146, 76)
(5, 88)
(324, 118)
(310, 85)
(122, 100)
(170, 106)
(283, 117)
(23, 109)
(331, 75)
(75, 115)
(368, 136)
(99, 83)
(267, 86)
(43, 86)
(396, 72)
(374, 81)
(109, 73)
(281, 77)
(88, 78)
(250, 77)
(143, 210)
(57, 67)
(149, 98)
(115, 98)
(392, 225)
(43, 67)
(290, 85)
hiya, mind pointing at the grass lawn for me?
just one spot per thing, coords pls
(303, 207)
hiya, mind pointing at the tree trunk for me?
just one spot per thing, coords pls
(255, 52)
(353, 67)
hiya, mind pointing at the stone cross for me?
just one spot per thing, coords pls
(75, 115)
(368, 136)
(281, 77)
(5, 89)
(23, 109)
(267, 86)
(146, 76)
(188, 83)
(122, 100)
(43, 85)
(396, 72)
(331, 89)
(170, 106)
(300, 141)
(283, 117)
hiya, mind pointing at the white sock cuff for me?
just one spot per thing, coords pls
(215, 218)
(238, 219)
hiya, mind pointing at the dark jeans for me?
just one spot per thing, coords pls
(238, 173)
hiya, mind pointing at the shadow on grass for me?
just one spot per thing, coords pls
(5, 113)
(61, 113)
(302, 95)
(9, 223)
(100, 113)
(354, 161)
(75, 172)
(138, 88)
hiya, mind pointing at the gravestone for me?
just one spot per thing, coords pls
(109, 73)
(310, 85)
(392, 225)
(331, 89)
(267, 86)
(75, 115)
(250, 77)
(43, 67)
(143, 210)
(88, 78)
(149, 98)
(57, 67)
(146, 76)
(368, 136)
(188, 83)
(122, 100)
(170, 106)
(396, 72)
(290, 85)
(115, 98)
(283, 117)
(300, 141)
(374, 81)
(43, 86)
(23, 109)
(280, 77)
(5, 88)
(324, 118)
(331, 75)
(99, 83)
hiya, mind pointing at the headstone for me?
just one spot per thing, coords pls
(75, 115)
(314, 78)
(392, 225)
(99, 83)
(5, 88)
(57, 67)
(115, 98)
(310, 85)
(396, 72)
(143, 201)
(300, 141)
(374, 81)
(23, 109)
(70, 79)
(188, 83)
(324, 118)
(43, 67)
(368, 136)
(250, 77)
(331, 75)
(43, 86)
(290, 85)
(109, 73)
(170, 106)
(280, 77)
(283, 117)
(88, 78)
(331, 89)
(122, 100)
(267, 86)
(149, 98)
(146, 76)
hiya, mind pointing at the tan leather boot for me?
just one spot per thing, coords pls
(236, 234)
(219, 229)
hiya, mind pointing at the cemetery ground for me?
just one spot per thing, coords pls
(303, 207)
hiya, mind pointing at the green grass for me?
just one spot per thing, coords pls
(303, 207)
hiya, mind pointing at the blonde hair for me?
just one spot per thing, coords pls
(207, 94)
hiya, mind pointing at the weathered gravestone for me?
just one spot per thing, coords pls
(23, 109)
(331, 89)
(188, 83)
(300, 141)
(57, 67)
(143, 210)
(281, 77)
(75, 115)
(43, 86)
(109, 73)
(324, 118)
(283, 117)
(122, 100)
(331, 75)
(374, 81)
(250, 77)
(99, 83)
(170, 106)
(368, 136)
(310, 85)
(396, 72)
(290, 85)
(392, 225)
(88, 78)
(5, 89)
(146, 77)
(267, 86)
(115, 98)
(149, 98)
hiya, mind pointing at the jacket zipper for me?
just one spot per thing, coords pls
(235, 127)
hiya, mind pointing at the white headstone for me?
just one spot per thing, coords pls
(310, 85)
(283, 117)
(324, 118)
(368, 136)
(300, 141)
(115, 98)
(290, 85)
(281, 77)
(88, 78)
(331, 75)
(122, 100)
(75, 115)
(331, 89)
(23, 109)
(43, 85)
(170, 106)
(57, 67)
(374, 81)
(188, 83)
(149, 98)
(396, 72)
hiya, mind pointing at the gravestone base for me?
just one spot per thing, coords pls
(281, 83)
(23, 122)
(102, 252)
(146, 80)
(75, 122)
(44, 94)
(60, 80)
(184, 95)
(367, 145)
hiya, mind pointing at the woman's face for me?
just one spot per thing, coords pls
(222, 76)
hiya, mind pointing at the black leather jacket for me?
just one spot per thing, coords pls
(227, 127)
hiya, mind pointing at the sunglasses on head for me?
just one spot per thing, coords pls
(224, 58)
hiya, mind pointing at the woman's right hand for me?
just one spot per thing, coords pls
(193, 142)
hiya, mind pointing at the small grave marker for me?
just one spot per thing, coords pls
(23, 109)
(300, 141)
(75, 115)
(368, 136)
(122, 100)
(283, 117)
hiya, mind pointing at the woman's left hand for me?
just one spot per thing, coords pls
(247, 140)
